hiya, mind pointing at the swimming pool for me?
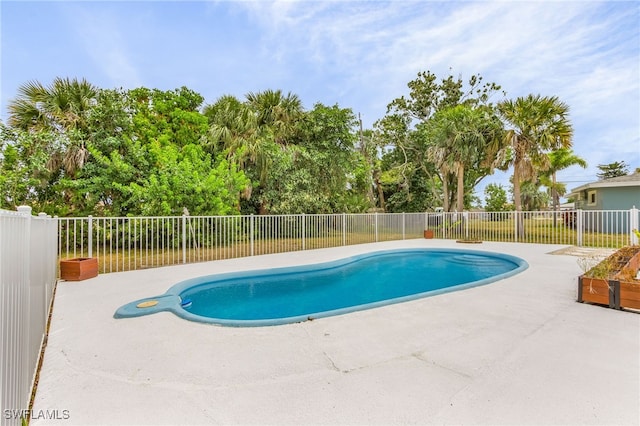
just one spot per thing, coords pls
(299, 293)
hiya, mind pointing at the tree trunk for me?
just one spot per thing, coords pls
(460, 200)
(445, 190)
(262, 210)
(370, 196)
(376, 178)
(517, 200)
(556, 199)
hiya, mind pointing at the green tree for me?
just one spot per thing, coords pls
(427, 95)
(559, 159)
(428, 135)
(611, 170)
(251, 131)
(532, 196)
(538, 124)
(465, 138)
(292, 187)
(316, 172)
(328, 132)
(233, 131)
(232, 127)
(61, 108)
(495, 197)
(25, 178)
(393, 130)
(152, 159)
(276, 114)
(368, 166)
(287, 152)
(187, 178)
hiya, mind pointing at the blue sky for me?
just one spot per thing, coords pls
(358, 54)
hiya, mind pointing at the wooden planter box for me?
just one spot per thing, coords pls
(596, 290)
(79, 269)
(629, 295)
(619, 291)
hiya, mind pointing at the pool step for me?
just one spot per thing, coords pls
(471, 259)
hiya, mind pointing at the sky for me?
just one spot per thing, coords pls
(356, 54)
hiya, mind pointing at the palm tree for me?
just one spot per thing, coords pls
(533, 198)
(449, 128)
(250, 131)
(277, 116)
(62, 108)
(233, 130)
(231, 125)
(276, 113)
(559, 159)
(538, 125)
(464, 138)
(27, 111)
(63, 105)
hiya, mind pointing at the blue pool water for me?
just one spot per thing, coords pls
(285, 295)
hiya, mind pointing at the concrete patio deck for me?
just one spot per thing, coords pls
(517, 351)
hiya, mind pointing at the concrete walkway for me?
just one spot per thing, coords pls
(517, 351)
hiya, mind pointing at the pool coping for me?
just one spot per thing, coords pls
(520, 350)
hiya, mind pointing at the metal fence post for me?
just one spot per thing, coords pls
(376, 218)
(465, 217)
(303, 229)
(515, 225)
(251, 229)
(90, 236)
(184, 238)
(633, 224)
(579, 226)
(403, 225)
(344, 229)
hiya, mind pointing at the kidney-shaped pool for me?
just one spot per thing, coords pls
(299, 293)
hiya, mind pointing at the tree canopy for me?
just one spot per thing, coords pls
(611, 170)
(71, 148)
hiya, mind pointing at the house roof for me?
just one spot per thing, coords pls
(616, 182)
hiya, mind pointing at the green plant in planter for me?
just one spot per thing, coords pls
(594, 266)
(612, 281)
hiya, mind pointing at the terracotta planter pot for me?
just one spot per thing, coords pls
(428, 233)
(78, 269)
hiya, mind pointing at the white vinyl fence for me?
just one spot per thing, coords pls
(128, 243)
(28, 271)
